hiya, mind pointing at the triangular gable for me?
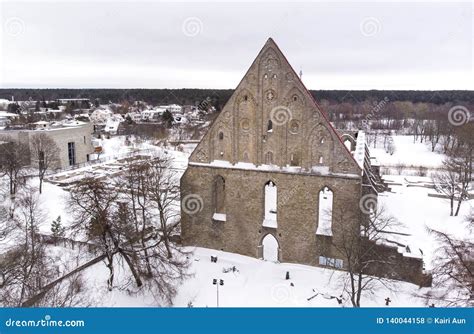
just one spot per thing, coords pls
(272, 119)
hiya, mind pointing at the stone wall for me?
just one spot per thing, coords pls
(390, 263)
(242, 232)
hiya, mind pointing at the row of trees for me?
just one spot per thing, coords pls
(190, 96)
(132, 221)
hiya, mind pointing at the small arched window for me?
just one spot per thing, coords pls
(221, 135)
(321, 159)
(270, 126)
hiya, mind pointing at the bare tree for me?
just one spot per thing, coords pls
(453, 271)
(164, 197)
(453, 180)
(153, 202)
(22, 268)
(357, 244)
(95, 204)
(446, 183)
(45, 154)
(14, 157)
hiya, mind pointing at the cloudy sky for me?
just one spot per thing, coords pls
(150, 44)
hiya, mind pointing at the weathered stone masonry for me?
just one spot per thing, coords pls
(272, 131)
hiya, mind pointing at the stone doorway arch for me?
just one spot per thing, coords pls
(269, 248)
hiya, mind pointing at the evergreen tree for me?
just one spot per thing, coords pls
(57, 228)
(168, 118)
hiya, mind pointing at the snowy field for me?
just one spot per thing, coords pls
(407, 153)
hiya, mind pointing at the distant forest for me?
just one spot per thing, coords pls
(220, 96)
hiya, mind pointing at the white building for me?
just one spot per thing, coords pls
(152, 114)
(173, 108)
(74, 140)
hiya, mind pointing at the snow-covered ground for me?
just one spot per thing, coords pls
(256, 283)
(408, 201)
(262, 283)
(407, 153)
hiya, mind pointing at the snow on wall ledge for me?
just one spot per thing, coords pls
(359, 153)
(316, 170)
(222, 217)
(272, 223)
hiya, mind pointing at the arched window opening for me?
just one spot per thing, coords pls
(219, 199)
(321, 160)
(270, 248)
(325, 212)
(221, 135)
(270, 218)
(270, 126)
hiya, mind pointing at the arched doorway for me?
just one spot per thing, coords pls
(270, 248)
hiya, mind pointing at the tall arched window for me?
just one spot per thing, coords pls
(325, 212)
(219, 198)
(270, 218)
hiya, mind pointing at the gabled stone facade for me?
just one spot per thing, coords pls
(271, 129)
(271, 172)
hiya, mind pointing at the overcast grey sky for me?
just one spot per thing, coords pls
(341, 45)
